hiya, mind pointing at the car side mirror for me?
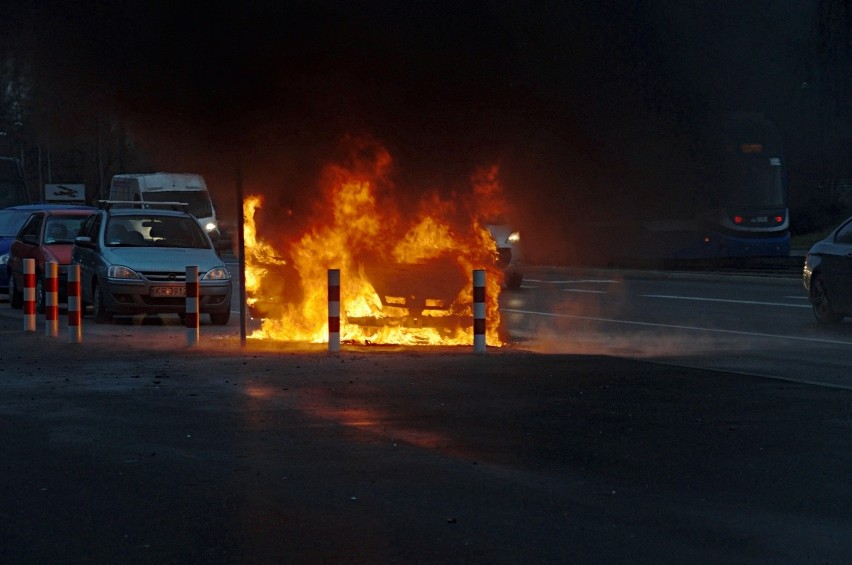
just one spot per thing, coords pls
(30, 239)
(83, 241)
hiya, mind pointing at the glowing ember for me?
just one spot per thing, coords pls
(404, 280)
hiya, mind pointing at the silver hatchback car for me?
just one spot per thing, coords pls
(133, 261)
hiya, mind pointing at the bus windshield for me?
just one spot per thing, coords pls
(758, 183)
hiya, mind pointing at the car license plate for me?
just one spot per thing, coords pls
(168, 291)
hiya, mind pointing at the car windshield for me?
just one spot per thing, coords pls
(12, 220)
(154, 231)
(62, 229)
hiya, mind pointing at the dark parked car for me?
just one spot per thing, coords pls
(510, 254)
(827, 275)
(133, 261)
(11, 220)
(47, 234)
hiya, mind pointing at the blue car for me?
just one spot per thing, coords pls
(11, 220)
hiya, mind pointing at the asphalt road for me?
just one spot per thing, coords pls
(130, 447)
(760, 325)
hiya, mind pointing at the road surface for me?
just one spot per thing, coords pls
(132, 447)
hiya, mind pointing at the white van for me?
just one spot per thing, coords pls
(169, 187)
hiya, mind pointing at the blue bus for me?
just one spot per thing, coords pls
(738, 204)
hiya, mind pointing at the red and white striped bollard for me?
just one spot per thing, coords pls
(479, 311)
(29, 295)
(75, 328)
(334, 309)
(51, 299)
(192, 322)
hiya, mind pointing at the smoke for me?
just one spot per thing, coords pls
(558, 94)
(591, 320)
(599, 338)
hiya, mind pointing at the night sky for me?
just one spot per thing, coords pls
(567, 96)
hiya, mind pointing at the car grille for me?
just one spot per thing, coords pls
(163, 301)
(164, 276)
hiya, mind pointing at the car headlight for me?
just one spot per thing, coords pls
(210, 226)
(514, 237)
(121, 272)
(216, 274)
(4, 259)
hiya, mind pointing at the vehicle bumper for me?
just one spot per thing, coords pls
(135, 298)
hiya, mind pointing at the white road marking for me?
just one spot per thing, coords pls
(679, 327)
(702, 299)
(762, 375)
(587, 291)
(576, 281)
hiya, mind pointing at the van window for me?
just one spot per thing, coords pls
(198, 200)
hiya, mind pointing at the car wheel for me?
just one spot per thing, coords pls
(220, 318)
(99, 309)
(821, 303)
(16, 297)
(39, 295)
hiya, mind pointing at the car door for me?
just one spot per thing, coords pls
(25, 246)
(838, 269)
(85, 254)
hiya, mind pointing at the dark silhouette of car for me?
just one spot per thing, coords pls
(827, 275)
(510, 254)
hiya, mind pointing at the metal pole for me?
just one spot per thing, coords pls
(479, 311)
(334, 309)
(192, 306)
(51, 298)
(75, 330)
(29, 295)
(241, 250)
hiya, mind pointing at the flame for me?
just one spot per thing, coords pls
(404, 280)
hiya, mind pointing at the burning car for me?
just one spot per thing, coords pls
(406, 277)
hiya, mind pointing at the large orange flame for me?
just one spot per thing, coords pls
(404, 280)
